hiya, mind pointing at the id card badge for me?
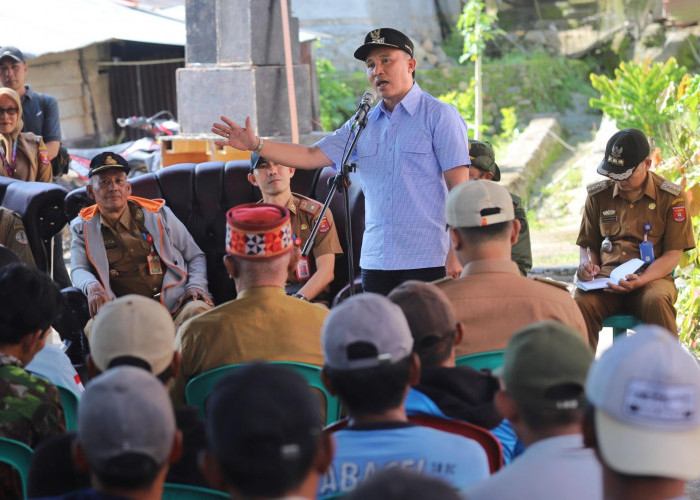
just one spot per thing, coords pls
(646, 252)
(303, 270)
(154, 264)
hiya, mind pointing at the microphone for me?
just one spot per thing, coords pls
(366, 103)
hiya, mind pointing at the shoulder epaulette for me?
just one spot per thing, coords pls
(597, 187)
(670, 187)
(309, 206)
(550, 281)
(442, 280)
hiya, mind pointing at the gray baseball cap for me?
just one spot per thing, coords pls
(371, 319)
(478, 203)
(126, 410)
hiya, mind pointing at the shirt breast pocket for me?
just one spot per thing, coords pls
(609, 228)
(367, 149)
(417, 145)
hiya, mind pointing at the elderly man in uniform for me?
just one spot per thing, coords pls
(412, 152)
(39, 111)
(262, 322)
(483, 166)
(491, 298)
(124, 244)
(312, 276)
(634, 214)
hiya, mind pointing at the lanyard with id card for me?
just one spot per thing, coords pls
(155, 265)
(646, 247)
(303, 270)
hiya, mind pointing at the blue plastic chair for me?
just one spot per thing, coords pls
(620, 323)
(173, 491)
(19, 456)
(69, 401)
(480, 360)
(199, 388)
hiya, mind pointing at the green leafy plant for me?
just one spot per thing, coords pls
(337, 98)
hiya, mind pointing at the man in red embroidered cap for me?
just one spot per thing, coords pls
(633, 214)
(262, 322)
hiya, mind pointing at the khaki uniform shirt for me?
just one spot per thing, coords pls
(607, 214)
(303, 214)
(127, 250)
(32, 162)
(493, 301)
(14, 236)
(260, 324)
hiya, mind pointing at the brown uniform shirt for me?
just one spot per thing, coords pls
(493, 300)
(32, 162)
(607, 214)
(126, 253)
(260, 324)
(14, 236)
(303, 214)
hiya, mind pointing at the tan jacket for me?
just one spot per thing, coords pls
(493, 301)
(33, 162)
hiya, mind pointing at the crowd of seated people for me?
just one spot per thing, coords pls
(551, 423)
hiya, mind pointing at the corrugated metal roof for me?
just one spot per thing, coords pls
(46, 26)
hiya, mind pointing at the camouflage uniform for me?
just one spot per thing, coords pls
(30, 411)
(521, 252)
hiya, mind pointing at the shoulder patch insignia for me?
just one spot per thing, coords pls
(550, 281)
(21, 237)
(325, 226)
(597, 187)
(44, 157)
(309, 206)
(670, 187)
(677, 200)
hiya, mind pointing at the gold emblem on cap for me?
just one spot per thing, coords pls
(615, 156)
(110, 160)
(374, 35)
(652, 206)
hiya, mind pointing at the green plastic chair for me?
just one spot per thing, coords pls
(19, 456)
(172, 491)
(201, 386)
(479, 360)
(620, 323)
(69, 401)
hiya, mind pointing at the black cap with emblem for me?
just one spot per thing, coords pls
(624, 152)
(482, 157)
(384, 37)
(108, 161)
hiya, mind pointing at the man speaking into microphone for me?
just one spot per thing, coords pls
(413, 150)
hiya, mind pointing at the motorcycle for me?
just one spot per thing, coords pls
(143, 155)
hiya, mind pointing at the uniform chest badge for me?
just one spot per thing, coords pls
(303, 227)
(679, 214)
(608, 212)
(139, 214)
(325, 226)
(652, 205)
(21, 237)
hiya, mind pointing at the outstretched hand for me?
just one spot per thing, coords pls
(235, 136)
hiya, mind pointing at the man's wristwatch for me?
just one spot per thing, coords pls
(300, 296)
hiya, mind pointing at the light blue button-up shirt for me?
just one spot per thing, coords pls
(401, 157)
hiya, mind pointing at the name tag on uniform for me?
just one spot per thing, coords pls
(154, 264)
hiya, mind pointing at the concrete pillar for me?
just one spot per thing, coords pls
(235, 67)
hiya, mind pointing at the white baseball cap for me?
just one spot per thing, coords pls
(646, 394)
(478, 203)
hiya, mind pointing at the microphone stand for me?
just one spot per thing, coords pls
(340, 181)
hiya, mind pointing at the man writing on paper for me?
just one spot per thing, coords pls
(635, 214)
(412, 152)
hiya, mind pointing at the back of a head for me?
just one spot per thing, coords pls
(544, 371)
(430, 318)
(481, 210)
(263, 427)
(126, 427)
(7, 257)
(30, 302)
(645, 395)
(403, 484)
(367, 346)
(133, 330)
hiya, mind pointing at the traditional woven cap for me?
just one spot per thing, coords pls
(384, 37)
(646, 393)
(258, 231)
(482, 157)
(266, 417)
(478, 203)
(545, 366)
(368, 318)
(134, 326)
(623, 153)
(12, 52)
(108, 161)
(126, 410)
(428, 312)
